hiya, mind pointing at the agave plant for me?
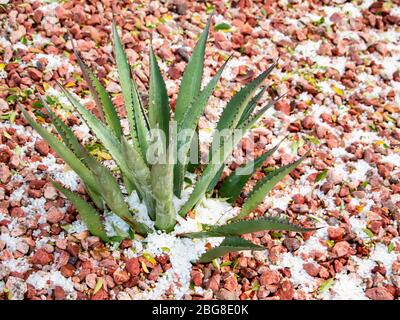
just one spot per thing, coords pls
(157, 182)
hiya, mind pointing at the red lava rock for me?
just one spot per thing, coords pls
(379, 293)
(396, 267)
(36, 184)
(197, 277)
(311, 269)
(42, 257)
(120, 276)
(231, 283)
(375, 226)
(50, 192)
(174, 73)
(335, 233)
(341, 249)
(326, 187)
(248, 273)
(384, 171)
(17, 212)
(35, 74)
(5, 173)
(269, 277)
(73, 249)
(54, 215)
(324, 273)
(155, 273)
(37, 16)
(283, 107)
(286, 291)
(62, 13)
(42, 147)
(369, 156)
(379, 269)
(181, 6)
(344, 191)
(213, 283)
(133, 266)
(274, 253)
(298, 199)
(35, 193)
(224, 294)
(308, 122)
(59, 293)
(100, 295)
(292, 244)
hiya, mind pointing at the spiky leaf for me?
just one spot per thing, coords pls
(73, 144)
(232, 115)
(237, 105)
(101, 97)
(252, 119)
(265, 185)
(233, 185)
(141, 121)
(189, 123)
(88, 214)
(240, 227)
(133, 108)
(191, 79)
(230, 244)
(110, 142)
(252, 104)
(66, 154)
(140, 175)
(162, 187)
(229, 141)
(158, 98)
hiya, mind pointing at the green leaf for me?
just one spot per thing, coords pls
(99, 285)
(325, 285)
(66, 154)
(110, 191)
(162, 186)
(265, 185)
(141, 121)
(252, 104)
(230, 244)
(229, 142)
(321, 175)
(240, 227)
(73, 144)
(110, 142)
(368, 232)
(149, 258)
(248, 123)
(191, 79)
(100, 95)
(232, 115)
(162, 177)
(237, 105)
(88, 214)
(189, 122)
(158, 98)
(222, 27)
(139, 173)
(252, 119)
(330, 243)
(129, 93)
(233, 185)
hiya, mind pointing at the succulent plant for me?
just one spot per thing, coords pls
(157, 181)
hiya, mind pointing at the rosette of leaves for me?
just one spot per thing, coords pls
(156, 182)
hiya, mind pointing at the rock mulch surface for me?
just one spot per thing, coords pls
(339, 65)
